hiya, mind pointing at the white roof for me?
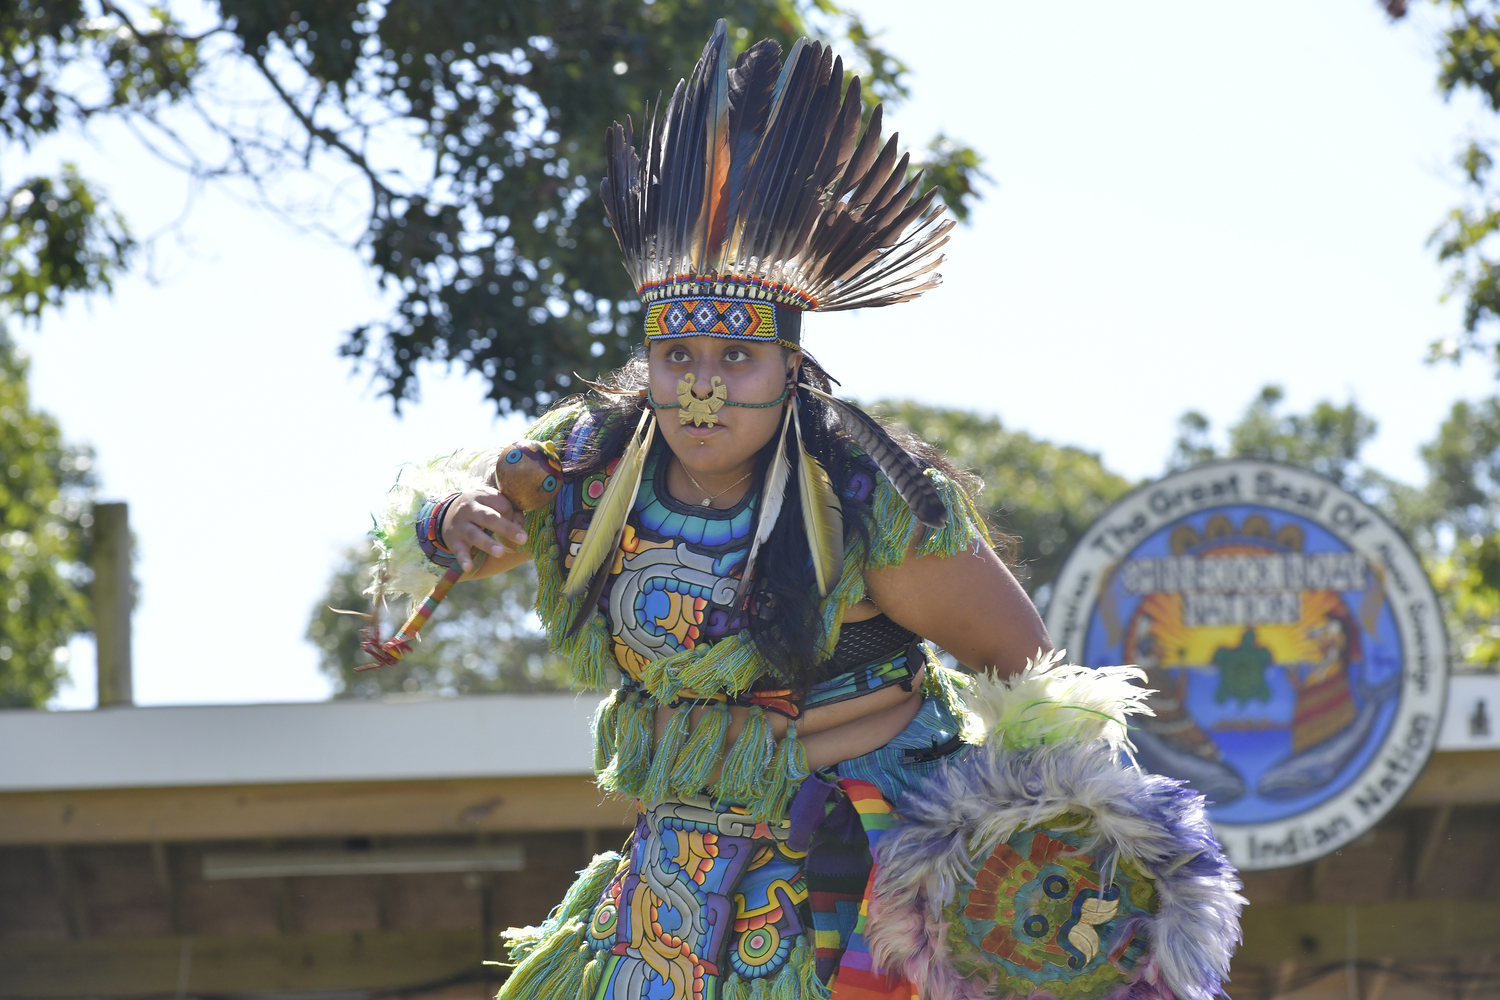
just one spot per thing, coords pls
(481, 736)
(129, 747)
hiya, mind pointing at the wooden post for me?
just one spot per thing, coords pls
(113, 599)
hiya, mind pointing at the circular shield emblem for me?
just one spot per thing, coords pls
(1294, 643)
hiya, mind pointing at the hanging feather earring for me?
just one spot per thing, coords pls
(602, 539)
(822, 514)
(772, 495)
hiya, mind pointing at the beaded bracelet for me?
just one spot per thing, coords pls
(430, 530)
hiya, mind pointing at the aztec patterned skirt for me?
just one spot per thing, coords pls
(704, 903)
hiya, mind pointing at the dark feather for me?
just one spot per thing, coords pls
(591, 599)
(905, 472)
(789, 99)
(762, 170)
(750, 84)
(864, 155)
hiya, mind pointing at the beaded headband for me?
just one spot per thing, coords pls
(717, 316)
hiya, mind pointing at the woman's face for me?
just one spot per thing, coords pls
(752, 372)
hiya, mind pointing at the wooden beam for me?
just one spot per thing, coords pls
(166, 880)
(237, 964)
(335, 809)
(1428, 847)
(281, 900)
(65, 889)
(467, 805)
(1406, 928)
(113, 596)
(1457, 777)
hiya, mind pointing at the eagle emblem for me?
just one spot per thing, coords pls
(700, 411)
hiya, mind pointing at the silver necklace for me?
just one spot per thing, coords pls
(707, 499)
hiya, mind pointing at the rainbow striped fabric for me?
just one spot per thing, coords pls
(857, 977)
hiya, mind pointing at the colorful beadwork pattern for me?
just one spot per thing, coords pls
(429, 530)
(740, 319)
(706, 893)
(899, 669)
(737, 286)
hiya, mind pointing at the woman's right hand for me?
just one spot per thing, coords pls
(466, 521)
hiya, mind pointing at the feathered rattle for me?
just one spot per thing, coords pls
(527, 473)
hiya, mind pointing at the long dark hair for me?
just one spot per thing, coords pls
(786, 625)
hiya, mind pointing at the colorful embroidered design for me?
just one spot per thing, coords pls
(684, 650)
(899, 669)
(674, 580)
(1036, 914)
(708, 893)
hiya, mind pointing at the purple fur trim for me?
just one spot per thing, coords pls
(967, 808)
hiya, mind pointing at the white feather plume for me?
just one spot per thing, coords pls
(771, 499)
(1050, 701)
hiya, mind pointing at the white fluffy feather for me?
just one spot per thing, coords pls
(406, 570)
(1051, 700)
(771, 499)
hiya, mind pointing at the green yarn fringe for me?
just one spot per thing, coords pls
(788, 769)
(746, 765)
(695, 763)
(589, 985)
(797, 980)
(630, 757)
(604, 727)
(664, 757)
(552, 960)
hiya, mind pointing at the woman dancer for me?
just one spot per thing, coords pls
(751, 564)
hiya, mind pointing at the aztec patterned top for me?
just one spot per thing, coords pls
(667, 631)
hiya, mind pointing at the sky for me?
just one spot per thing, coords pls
(1189, 201)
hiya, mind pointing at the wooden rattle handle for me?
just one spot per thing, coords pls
(528, 473)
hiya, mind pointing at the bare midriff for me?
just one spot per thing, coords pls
(838, 732)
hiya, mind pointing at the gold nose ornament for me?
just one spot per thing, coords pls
(702, 412)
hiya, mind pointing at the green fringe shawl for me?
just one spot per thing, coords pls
(554, 960)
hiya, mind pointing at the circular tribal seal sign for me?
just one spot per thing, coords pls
(1293, 641)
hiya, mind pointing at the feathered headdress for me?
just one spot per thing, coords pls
(753, 197)
(756, 188)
